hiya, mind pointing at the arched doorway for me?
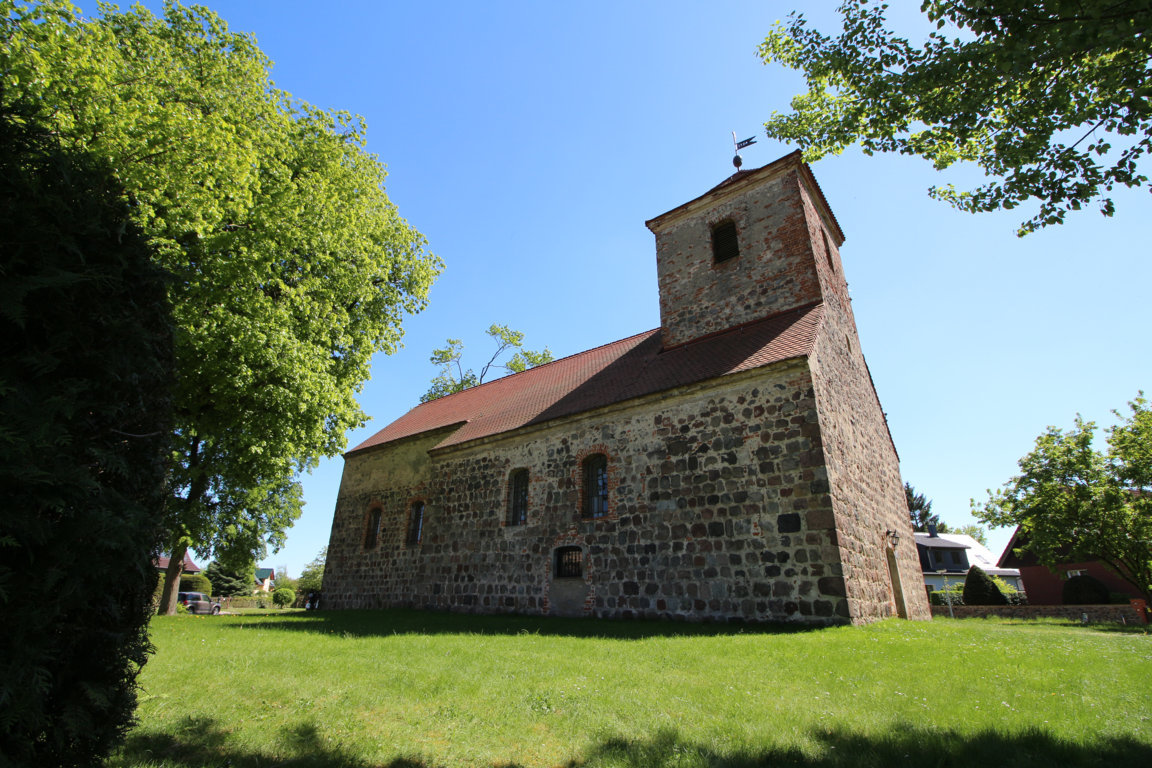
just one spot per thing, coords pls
(897, 588)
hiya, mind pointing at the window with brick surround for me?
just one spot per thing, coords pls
(725, 244)
(595, 470)
(569, 563)
(518, 497)
(372, 529)
(416, 523)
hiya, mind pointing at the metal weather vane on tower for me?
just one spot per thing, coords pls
(737, 160)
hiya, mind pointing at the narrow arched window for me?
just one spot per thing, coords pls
(416, 523)
(595, 486)
(725, 244)
(518, 497)
(372, 530)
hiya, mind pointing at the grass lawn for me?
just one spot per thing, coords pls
(413, 690)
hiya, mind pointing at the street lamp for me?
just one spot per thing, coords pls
(947, 597)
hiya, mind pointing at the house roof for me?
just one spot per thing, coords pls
(189, 566)
(978, 554)
(264, 573)
(632, 367)
(939, 541)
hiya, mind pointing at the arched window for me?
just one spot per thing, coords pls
(569, 563)
(595, 486)
(416, 523)
(725, 244)
(372, 531)
(518, 497)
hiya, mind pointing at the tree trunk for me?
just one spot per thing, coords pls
(195, 496)
(172, 580)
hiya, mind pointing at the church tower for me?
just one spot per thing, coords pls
(759, 244)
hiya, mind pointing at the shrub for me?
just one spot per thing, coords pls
(195, 582)
(229, 582)
(283, 596)
(84, 369)
(1011, 594)
(953, 595)
(979, 589)
(1084, 590)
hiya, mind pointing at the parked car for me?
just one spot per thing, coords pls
(198, 602)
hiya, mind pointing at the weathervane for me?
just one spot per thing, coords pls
(737, 160)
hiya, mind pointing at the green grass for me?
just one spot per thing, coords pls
(412, 690)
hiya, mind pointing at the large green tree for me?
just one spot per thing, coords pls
(312, 577)
(920, 510)
(85, 424)
(453, 377)
(1075, 502)
(291, 266)
(228, 582)
(1050, 98)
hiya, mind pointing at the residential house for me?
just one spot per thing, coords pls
(190, 567)
(946, 557)
(265, 579)
(1045, 586)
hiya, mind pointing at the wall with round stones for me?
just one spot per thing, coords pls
(718, 509)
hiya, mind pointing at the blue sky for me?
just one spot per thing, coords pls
(530, 142)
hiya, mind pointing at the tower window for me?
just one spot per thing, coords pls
(416, 523)
(569, 563)
(595, 486)
(518, 497)
(725, 245)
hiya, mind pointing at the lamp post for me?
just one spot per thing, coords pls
(947, 597)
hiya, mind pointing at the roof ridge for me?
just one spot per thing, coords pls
(741, 327)
(604, 375)
(542, 366)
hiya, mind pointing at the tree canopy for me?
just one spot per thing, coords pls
(973, 530)
(312, 577)
(1074, 502)
(920, 510)
(228, 582)
(1050, 98)
(454, 378)
(291, 267)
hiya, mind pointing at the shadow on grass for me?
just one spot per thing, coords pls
(396, 621)
(200, 743)
(1110, 627)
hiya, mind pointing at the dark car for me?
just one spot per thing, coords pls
(198, 602)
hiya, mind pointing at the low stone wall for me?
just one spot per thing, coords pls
(1117, 614)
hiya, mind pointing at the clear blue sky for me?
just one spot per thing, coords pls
(529, 142)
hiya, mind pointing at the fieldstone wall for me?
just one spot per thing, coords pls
(718, 509)
(773, 273)
(864, 471)
(759, 496)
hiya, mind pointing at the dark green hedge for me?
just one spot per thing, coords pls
(84, 382)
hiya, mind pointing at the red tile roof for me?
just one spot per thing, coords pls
(613, 373)
(189, 566)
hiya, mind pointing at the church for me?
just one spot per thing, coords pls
(733, 464)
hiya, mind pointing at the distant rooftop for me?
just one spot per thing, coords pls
(978, 554)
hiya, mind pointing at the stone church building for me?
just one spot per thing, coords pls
(733, 464)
